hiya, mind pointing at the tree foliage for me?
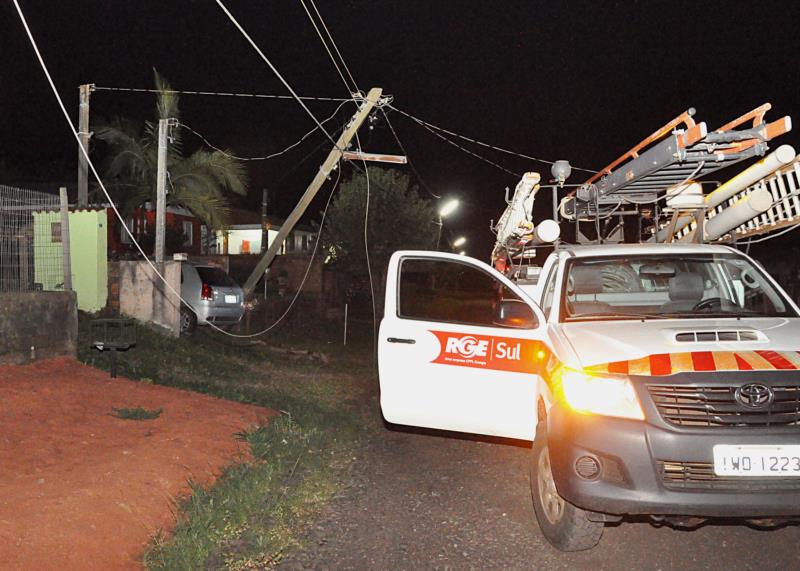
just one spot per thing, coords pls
(398, 219)
(197, 182)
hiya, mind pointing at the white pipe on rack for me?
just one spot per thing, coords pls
(755, 203)
(782, 156)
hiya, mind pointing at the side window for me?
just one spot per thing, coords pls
(449, 291)
(549, 290)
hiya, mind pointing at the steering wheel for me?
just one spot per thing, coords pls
(707, 303)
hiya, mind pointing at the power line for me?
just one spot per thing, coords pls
(476, 155)
(335, 47)
(354, 88)
(267, 157)
(781, 233)
(403, 150)
(477, 142)
(217, 93)
(305, 275)
(275, 71)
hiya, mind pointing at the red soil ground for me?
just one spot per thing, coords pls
(81, 489)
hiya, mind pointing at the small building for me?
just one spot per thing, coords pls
(244, 234)
(142, 223)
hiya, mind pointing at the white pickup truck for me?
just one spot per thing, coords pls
(659, 380)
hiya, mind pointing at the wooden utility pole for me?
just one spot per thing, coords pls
(83, 132)
(161, 188)
(333, 157)
(65, 245)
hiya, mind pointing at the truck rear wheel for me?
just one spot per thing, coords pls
(564, 525)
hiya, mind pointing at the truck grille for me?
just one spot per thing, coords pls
(700, 476)
(716, 406)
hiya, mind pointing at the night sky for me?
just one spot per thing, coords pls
(582, 81)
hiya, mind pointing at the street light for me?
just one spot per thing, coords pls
(462, 253)
(446, 209)
(459, 242)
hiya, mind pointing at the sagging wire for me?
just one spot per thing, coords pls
(90, 163)
(215, 93)
(266, 157)
(335, 47)
(408, 158)
(266, 60)
(481, 143)
(366, 248)
(354, 88)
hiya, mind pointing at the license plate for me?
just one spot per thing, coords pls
(756, 460)
(230, 299)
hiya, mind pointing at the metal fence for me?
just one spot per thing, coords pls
(31, 252)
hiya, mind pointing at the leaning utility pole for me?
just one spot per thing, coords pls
(83, 132)
(333, 157)
(161, 188)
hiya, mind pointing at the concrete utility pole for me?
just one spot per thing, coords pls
(333, 157)
(65, 245)
(264, 221)
(83, 132)
(161, 187)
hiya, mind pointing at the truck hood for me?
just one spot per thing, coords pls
(600, 342)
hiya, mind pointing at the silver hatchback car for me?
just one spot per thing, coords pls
(214, 298)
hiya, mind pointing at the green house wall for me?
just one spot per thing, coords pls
(88, 239)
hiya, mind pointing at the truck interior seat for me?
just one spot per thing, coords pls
(685, 291)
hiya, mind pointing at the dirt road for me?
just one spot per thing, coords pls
(82, 489)
(422, 501)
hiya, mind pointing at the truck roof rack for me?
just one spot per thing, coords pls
(680, 151)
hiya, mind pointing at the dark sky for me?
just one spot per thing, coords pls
(582, 81)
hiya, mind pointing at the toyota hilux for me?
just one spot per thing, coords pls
(658, 380)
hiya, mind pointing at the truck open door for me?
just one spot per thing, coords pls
(460, 347)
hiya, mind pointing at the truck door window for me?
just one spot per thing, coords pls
(449, 291)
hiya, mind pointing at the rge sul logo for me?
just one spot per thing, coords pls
(467, 346)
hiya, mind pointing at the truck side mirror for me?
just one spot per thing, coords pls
(514, 313)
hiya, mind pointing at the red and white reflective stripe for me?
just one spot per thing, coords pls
(701, 361)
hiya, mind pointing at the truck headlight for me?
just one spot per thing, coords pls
(599, 394)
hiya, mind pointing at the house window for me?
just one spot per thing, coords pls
(55, 232)
(188, 230)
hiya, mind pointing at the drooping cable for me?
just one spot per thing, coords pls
(114, 208)
(350, 89)
(408, 158)
(270, 156)
(335, 47)
(366, 249)
(481, 143)
(215, 93)
(261, 54)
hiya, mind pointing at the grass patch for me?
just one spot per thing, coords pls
(137, 413)
(258, 508)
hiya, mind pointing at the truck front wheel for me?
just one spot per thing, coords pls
(564, 525)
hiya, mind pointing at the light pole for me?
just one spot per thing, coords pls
(447, 208)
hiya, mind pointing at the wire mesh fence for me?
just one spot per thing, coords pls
(31, 251)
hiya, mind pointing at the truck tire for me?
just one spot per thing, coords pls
(564, 525)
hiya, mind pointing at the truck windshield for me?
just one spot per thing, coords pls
(669, 286)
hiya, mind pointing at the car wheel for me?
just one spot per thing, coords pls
(564, 525)
(188, 321)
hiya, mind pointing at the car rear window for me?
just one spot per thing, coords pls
(214, 276)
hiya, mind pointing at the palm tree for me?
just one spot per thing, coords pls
(197, 182)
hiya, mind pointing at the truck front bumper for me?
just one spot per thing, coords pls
(647, 469)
